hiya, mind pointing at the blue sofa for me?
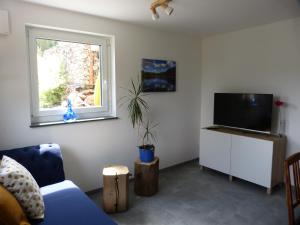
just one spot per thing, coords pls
(65, 203)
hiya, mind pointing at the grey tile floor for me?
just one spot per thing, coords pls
(189, 196)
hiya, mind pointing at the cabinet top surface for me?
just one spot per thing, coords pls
(268, 137)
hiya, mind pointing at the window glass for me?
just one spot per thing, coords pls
(68, 70)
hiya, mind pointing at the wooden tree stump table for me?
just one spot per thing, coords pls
(146, 177)
(115, 188)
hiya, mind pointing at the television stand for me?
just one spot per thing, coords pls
(251, 156)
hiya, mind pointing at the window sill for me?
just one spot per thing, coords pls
(34, 125)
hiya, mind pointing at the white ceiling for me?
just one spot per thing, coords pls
(193, 16)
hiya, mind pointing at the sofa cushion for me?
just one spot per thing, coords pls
(11, 212)
(16, 178)
(44, 162)
(66, 204)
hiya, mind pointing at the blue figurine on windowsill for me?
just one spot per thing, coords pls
(70, 115)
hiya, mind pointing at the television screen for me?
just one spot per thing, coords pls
(246, 111)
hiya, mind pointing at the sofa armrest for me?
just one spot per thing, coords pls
(44, 162)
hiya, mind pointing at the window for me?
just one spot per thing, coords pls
(69, 66)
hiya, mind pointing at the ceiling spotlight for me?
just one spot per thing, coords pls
(168, 10)
(155, 16)
(161, 3)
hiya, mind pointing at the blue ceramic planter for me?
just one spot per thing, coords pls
(146, 153)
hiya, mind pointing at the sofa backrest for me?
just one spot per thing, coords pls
(44, 162)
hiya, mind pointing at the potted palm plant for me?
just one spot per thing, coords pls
(147, 148)
(138, 108)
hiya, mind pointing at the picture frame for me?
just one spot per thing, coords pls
(158, 75)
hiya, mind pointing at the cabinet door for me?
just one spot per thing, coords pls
(251, 160)
(215, 150)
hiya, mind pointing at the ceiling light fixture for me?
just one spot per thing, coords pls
(161, 3)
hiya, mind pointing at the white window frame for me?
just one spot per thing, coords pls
(107, 108)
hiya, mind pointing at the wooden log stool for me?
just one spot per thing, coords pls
(146, 177)
(115, 188)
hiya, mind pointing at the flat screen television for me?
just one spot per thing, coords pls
(245, 111)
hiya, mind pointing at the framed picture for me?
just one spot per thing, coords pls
(158, 75)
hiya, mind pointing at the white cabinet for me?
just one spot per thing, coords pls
(251, 159)
(257, 158)
(216, 154)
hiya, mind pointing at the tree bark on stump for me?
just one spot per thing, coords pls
(146, 176)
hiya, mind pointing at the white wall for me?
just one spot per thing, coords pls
(87, 147)
(264, 59)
